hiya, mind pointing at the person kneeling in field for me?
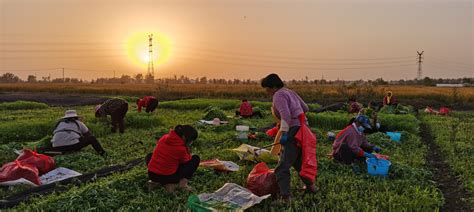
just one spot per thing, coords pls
(246, 110)
(374, 121)
(149, 102)
(171, 163)
(351, 145)
(116, 108)
(71, 134)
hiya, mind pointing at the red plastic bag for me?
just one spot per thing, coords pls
(380, 156)
(272, 132)
(262, 180)
(307, 141)
(17, 169)
(44, 163)
(444, 111)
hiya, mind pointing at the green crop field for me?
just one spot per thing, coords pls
(409, 185)
(454, 136)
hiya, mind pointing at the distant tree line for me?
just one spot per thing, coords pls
(140, 78)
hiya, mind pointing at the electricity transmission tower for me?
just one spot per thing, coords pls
(420, 54)
(150, 77)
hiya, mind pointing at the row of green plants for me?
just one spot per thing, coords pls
(454, 136)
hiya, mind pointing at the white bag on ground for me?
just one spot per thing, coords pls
(58, 174)
(55, 175)
(233, 194)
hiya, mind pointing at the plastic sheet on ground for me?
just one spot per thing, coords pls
(212, 122)
(255, 154)
(230, 197)
(220, 165)
(58, 174)
(50, 177)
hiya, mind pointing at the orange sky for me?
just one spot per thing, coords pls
(347, 39)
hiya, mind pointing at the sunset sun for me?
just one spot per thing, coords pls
(138, 50)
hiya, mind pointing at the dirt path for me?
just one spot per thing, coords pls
(454, 193)
(52, 99)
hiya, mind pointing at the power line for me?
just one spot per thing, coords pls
(447, 67)
(200, 50)
(290, 67)
(61, 57)
(451, 61)
(287, 61)
(30, 70)
(54, 50)
(58, 43)
(451, 64)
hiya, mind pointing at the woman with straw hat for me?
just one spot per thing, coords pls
(71, 134)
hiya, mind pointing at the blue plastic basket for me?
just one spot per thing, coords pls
(378, 167)
(394, 136)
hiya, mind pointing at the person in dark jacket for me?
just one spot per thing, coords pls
(149, 102)
(116, 108)
(351, 145)
(171, 163)
(287, 106)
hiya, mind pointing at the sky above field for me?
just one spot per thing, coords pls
(345, 39)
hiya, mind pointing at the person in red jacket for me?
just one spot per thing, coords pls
(171, 163)
(246, 110)
(149, 102)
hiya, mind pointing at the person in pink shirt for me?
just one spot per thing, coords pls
(288, 106)
(351, 145)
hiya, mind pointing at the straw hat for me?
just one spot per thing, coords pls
(70, 114)
(97, 107)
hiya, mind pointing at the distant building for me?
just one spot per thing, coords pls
(449, 85)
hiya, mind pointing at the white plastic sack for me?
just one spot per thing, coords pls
(235, 195)
(212, 122)
(58, 174)
(21, 181)
(55, 175)
(220, 165)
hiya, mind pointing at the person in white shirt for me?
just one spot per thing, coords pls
(71, 134)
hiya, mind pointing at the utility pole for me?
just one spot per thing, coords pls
(151, 72)
(63, 76)
(420, 54)
(114, 74)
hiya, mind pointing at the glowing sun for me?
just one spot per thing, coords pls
(137, 47)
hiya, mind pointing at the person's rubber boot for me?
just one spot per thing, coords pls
(152, 185)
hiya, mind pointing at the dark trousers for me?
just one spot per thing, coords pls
(254, 114)
(117, 118)
(290, 157)
(151, 105)
(83, 142)
(346, 156)
(185, 170)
